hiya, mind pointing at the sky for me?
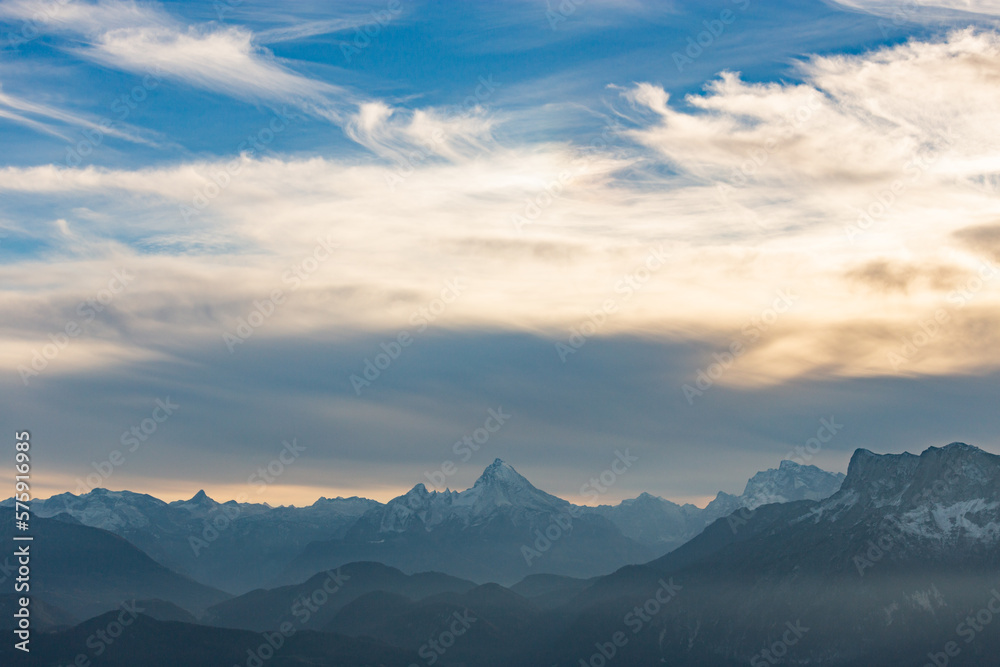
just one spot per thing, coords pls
(367, 245)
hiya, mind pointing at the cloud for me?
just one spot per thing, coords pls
(23, 106)
(748, 195)
(222, 60)
(143, 39)
(414, 136)
(981, 238)
(230, 61)
(899, 276)
(564, 430)
(855, 122)
(299, 31)
(33, 124)
(923, 10)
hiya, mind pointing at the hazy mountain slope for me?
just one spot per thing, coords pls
(232, 546)
(86, 571)
(495, 530)
(883, 572)
(652, 520)
(151, 643)
(490, 624)
(314, 602)
(548, 591)
(44, 616)
(658, 522)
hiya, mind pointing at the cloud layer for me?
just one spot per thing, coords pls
(851, 189)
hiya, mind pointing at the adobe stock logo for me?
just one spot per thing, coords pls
(88, 311)
(750, 333)
(392, 350)
(705, 39)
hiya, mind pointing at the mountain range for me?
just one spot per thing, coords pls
(231, 546)
(899, 566)
(501, 530)
(888, 570)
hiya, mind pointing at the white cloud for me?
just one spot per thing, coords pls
(854, 119)
(911, 10)
(298, 31)
(414, 136)
(223, 60)
(33, 124)
(23, 109)
(142, 38)
(230, 61)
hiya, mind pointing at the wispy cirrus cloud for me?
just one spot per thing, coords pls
(40, 117)
(399, 134)
(137, 37)
(231, 61)
(306, 29)
(913, 10)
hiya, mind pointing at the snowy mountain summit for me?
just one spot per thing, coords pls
(945, 499)
(499, 490)
(500, 485)
(788, 482)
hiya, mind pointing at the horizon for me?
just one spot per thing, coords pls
(605, 499)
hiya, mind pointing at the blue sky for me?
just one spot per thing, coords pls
(691, 229)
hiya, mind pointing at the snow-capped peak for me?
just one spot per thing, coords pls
(502, 486)
(944, 498)
(502, 474)
(499, 489)
(790, 481)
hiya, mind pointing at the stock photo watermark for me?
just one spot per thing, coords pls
(929, 329)
(223, 176)
(703, 40)
(294, 277)
(131, 440)
(561, 524)
(223, 517)
(625, 288)
(776, 652)
(393, 349)
(973, 625)
(639, 618)
(884, 201)
(364, 35)
(892, 528)
(535, 205)
(88, 310)
(468, 445)
(751, 333)
(122, 106)
(302, 609)
(458, 623)
(407, 163)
